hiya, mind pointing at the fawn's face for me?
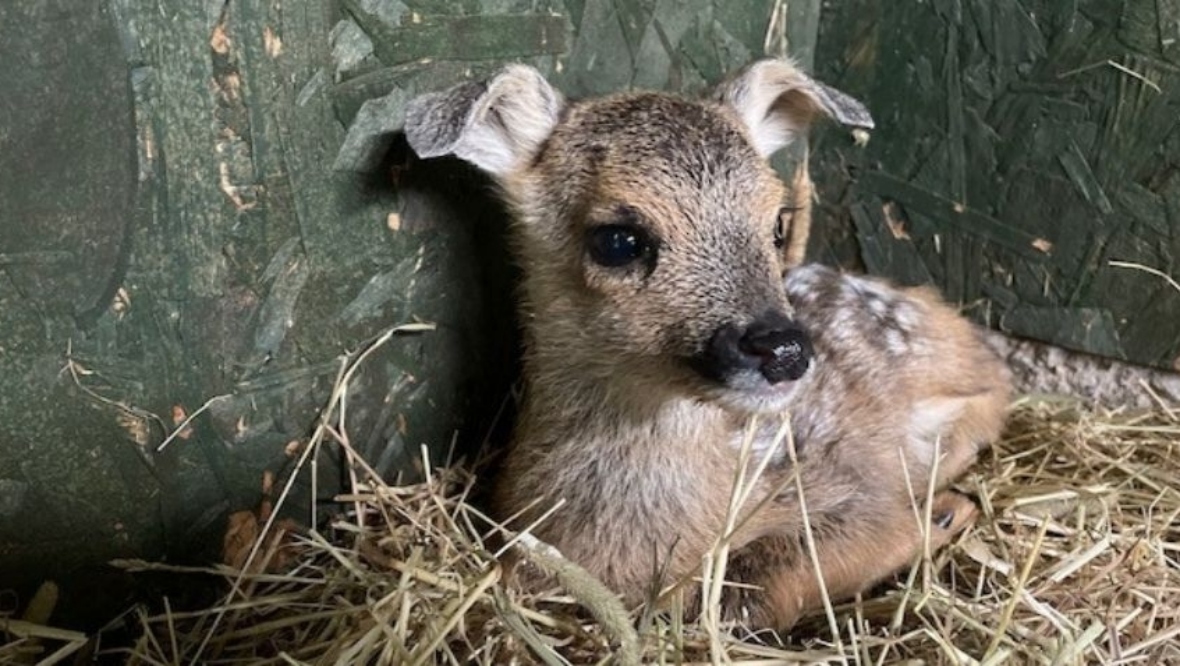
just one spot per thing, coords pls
(661, 226)
(650, 226)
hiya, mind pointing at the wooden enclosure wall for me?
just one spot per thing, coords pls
(1026, 160)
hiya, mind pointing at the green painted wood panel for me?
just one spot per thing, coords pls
(1022, 147)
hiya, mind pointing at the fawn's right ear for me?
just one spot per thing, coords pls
(496, 125)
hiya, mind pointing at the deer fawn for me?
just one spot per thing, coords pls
(660, 313)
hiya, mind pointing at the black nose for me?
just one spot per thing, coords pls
(772, 344)
(781, 348)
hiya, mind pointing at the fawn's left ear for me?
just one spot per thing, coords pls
(778, 102)
(497, 125)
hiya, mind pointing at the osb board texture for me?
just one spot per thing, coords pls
(197, 203)
(1022, 146)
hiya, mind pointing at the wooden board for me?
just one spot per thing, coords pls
(1026, 152)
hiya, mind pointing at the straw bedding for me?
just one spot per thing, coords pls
(1073, 560)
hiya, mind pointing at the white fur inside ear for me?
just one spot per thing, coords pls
(772, 134)
(510, 122)
(777, 102)
(754, 94)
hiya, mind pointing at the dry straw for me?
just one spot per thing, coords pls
(1074, 560)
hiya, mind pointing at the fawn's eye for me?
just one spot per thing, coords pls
(781, 222)
(615, 245)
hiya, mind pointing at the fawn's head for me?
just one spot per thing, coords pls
(649, 226)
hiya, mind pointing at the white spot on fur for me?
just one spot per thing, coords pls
(908, 316)
(896, 342)
(878, 307)
(805, 278)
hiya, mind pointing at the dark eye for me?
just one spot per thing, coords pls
(615, 245)
(785, 215)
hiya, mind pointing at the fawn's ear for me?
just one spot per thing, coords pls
(497, 125)
(778, 102)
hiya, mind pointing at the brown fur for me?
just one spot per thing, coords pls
(615, 422)
(797, 217)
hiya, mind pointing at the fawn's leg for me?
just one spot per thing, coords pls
(851, 559)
